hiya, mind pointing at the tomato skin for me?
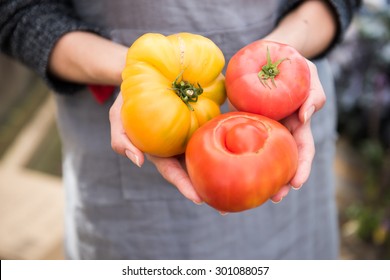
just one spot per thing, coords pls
(248, 93)
(231, 176)
(154, 116)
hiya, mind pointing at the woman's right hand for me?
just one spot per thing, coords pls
(171, 168)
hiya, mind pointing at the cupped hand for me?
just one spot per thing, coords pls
(299, 126)
(172, 168)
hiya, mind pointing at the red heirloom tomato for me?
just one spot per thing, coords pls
(267, 78)
(238, 160)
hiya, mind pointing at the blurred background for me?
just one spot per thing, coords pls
(31, 195)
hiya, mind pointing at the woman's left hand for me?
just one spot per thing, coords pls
(299, 126)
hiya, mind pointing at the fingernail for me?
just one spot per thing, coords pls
(296, 188)
(283, 195)
(133, 157)
(276, 202)
(308, 114)
(197, 202)
(223, 213)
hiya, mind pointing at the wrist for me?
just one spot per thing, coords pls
(310, 28)
(108, 68)
(85, 57)
(294, 36)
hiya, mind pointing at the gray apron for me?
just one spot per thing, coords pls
(115, 210)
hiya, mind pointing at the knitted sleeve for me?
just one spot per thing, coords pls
(343, 11)
(29, 30)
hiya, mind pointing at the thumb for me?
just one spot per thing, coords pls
(316, 99)
(120, 143)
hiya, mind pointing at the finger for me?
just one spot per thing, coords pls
(231, 107)
(172, 171)
(282, 193)
(306, 150)
(292, 122)
(120, 143)
(316, 98)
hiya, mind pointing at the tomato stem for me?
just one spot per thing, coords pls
(186, 91)
(269, 71)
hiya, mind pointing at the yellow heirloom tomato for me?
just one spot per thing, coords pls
(171, 86)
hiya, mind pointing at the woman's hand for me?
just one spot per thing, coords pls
(172, 168)
(299, 125)
(120, 143)
(310, 29)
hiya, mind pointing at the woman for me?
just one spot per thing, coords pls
(115, 210)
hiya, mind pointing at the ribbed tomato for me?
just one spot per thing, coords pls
(171, 86)
(268, 78)
(237, 161)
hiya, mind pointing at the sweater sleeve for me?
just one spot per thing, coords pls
(343, 12)
(29, 29)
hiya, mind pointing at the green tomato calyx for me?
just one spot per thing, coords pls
(269, 71)
(186, 91)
